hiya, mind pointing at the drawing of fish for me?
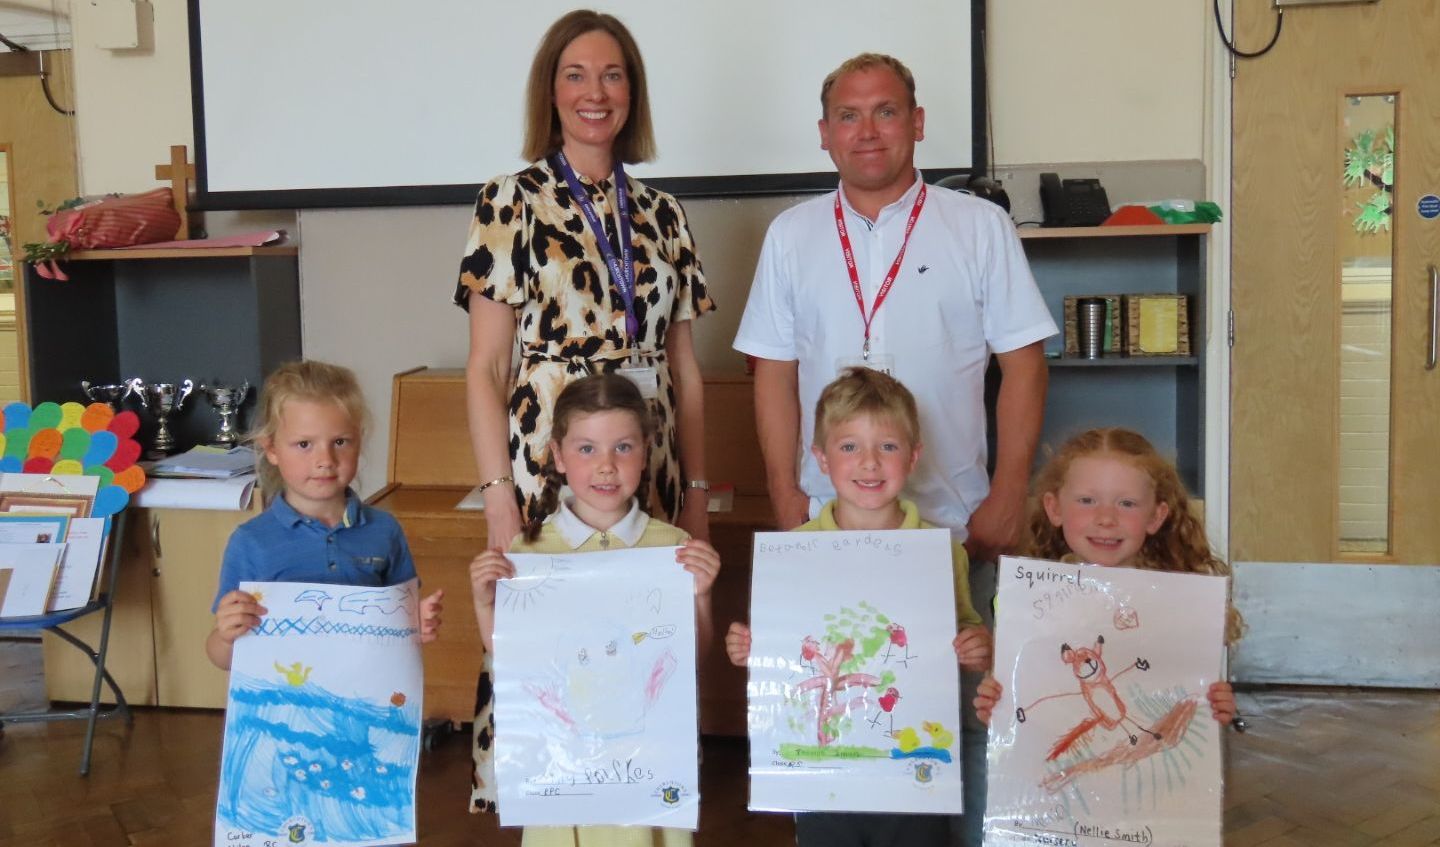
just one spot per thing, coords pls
(313, 595)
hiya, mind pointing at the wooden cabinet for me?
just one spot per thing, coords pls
(431, 469)
(1163, 398)
(169, 569)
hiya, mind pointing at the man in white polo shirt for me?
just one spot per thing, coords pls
(922, 284)
(962, 290)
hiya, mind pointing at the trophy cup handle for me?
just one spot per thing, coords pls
(242, 393)
(186, 388)
(134, 385)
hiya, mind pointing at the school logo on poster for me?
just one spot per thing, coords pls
(297, 829)
(670, 793)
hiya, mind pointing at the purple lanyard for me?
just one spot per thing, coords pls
(623, 275)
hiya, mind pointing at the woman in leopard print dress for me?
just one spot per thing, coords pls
(534, 272)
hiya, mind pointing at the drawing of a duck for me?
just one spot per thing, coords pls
(940, 737)
(293, 674)
(907, 739)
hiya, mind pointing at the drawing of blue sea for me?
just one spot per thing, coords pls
(299, 758)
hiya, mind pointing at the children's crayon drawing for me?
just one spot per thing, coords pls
(595, 716)
(322, 730)
(1103, 734)
(854, 688)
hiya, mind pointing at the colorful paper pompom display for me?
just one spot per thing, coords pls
(72, 439)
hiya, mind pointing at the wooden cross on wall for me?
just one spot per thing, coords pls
(180, 172)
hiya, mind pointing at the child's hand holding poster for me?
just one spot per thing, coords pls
(1102, 734)
(854, 688)
(322, 730)
(595, 719)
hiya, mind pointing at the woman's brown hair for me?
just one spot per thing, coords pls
(601, 392)
(1179, 545)
(636, 141)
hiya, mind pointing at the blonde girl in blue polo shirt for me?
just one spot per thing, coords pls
(599, 447)
(311, 419)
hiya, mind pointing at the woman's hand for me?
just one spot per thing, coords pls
(737, 644)
(1222, 702)
(972, 648)
(430, 609)
(502, 516)
(695, 515)
(986, 696)
(702, 560)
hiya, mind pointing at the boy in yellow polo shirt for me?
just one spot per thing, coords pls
(867, 440)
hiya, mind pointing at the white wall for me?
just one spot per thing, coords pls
(1135, 91)
(1102, 80)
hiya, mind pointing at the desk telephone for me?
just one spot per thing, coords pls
(1073, 202)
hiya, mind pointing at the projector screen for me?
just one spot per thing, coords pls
(322, 103)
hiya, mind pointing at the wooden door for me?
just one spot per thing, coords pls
(1294, 229)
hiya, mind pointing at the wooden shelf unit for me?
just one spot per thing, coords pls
(1162, 397)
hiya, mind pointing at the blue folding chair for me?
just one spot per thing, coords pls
(53, 623)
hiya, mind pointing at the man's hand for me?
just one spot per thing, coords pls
(792, 508)
(995, 526)
(430, 609)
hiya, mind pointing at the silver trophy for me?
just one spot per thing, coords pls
(162, 398)
(227, 402)
(112, 394)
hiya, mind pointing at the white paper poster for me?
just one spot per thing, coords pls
(84, 544)
(854, 700)
(322, 729)
(595, 717)
(1103, 734)
(27, 577)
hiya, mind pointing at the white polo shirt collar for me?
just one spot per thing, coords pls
(576, 532)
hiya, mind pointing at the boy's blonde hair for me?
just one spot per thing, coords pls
(318, 382)
(1179, 545)
(864, 391)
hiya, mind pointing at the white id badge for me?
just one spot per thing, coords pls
(645, 379)
(882, 362)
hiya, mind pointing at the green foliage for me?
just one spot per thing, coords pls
(1370, 160)
(865, 626)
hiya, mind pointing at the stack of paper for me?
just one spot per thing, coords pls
(206, 463)
(48, 562)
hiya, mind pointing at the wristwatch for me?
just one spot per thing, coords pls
(702, 484)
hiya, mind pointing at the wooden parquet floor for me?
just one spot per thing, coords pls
(1318, 767)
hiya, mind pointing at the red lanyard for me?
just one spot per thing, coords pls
(894, 267)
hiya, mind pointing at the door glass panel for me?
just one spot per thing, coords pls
(9, 338)
(1366, 258)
